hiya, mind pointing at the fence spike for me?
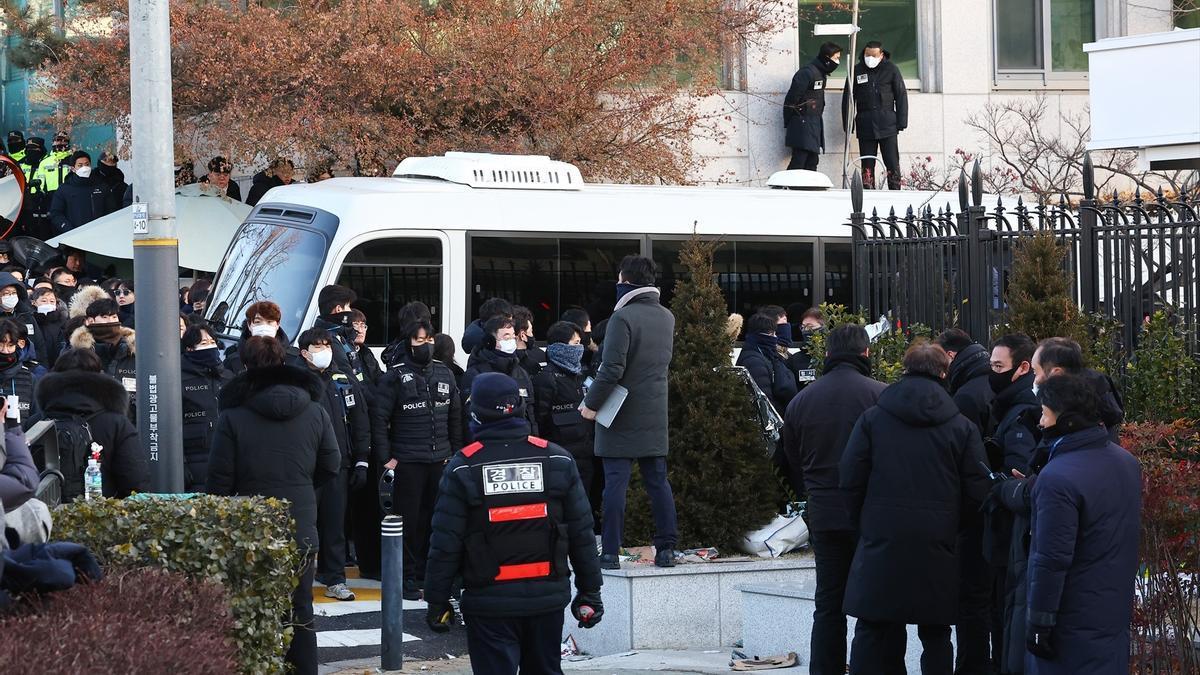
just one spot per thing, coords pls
(1161, 198)
(910, 211)
(892, 213)
(977, 184)
(856, 192)
(962, 189)
(875, 213)
(999, 202)
(1089, 177)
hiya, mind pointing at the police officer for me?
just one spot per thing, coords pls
(51, 171)
(416, 424)
(881, 112)
(16, 146)
(512, 512)
(803, 105)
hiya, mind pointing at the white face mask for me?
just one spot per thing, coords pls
(45, 309)
(508, 346)
(83, 171)
(872, 61)
(321, 359)
(264, 330)
(9, 301)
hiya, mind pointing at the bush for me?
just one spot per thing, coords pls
(1162, 380)
(887, 352)
(245, 544)
(1167, 609)
(134, 621)
(720, 472)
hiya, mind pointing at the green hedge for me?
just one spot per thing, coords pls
(245, 544)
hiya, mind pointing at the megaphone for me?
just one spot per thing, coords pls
(32, 253)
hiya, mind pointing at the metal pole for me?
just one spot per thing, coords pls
(155, 244)
(850, 93)
(392, 600)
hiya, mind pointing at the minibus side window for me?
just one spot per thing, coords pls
(389, 273)
(839, 287)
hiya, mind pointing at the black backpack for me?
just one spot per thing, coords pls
(73, 438)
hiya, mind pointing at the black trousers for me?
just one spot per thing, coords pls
(662, 503)
(803, 159)
(302, 654)
(889, 149)
(591, 474)
(529, 645)
(834, 551)
(414, 494)
(364, 517)
(331, 528)
(879, 649)
(976, 583)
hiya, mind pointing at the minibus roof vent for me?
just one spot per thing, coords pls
(483, 170)
(799, 179)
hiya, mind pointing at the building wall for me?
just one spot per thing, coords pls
(957, 80)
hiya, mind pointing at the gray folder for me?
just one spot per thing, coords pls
(608, 412)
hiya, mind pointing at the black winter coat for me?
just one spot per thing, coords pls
(346, 406)
(417, 416)
(24, 314)
(259, 187)
(533, 359)
(1083, 555)
(913, 466)
(449, 551)
(491, 361)
(472, 336)
(969, 386)
(880, 100)
(201, 387)
(372, 371)
(803, 106)
(17, 380)
(769, 370)
(102, 402)
(50, 327)
(817, 424)
(112, 182)
(274, 439)
(1016, 412)
(76, 202)
(558, 394)
(120, 360)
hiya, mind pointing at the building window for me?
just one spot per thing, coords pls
(388, 274)
(549, 275)
(1037, 39)
(892, 22)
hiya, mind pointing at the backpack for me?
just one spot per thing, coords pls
(74, 441)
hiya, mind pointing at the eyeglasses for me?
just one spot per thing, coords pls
(359, 325)
(123, 292)
(7, 293)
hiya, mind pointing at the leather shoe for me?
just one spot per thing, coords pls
(610, 562)
(665, 558)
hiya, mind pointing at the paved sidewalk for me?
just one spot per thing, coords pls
(628, 663)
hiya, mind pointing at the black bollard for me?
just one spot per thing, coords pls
(392, 601)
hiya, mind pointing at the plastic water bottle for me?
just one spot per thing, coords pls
(92, 482)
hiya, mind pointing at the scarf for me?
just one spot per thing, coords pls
(205, 358)
(107, 333)
(565, 356)
(624, 298)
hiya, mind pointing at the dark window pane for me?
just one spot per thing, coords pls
(588, 275)
(1072, 23)
(751, 273)
(892, 22)
(388, 274)
(839, 287)
(1018, 34)
(268, 262)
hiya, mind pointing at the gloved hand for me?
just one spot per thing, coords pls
(1039, 641)
(439, 616)
(358, 479)
(591, 600)
(81, 559)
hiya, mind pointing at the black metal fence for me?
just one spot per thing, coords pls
(944, 268)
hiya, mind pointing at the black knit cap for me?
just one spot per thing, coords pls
(496, 396)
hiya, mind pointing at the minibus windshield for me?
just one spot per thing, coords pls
(272, 262)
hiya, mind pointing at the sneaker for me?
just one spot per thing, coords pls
(411, 590)
(610, 562)
(339, 592)
(664, 558)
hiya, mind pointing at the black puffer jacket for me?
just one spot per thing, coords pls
(120, 359)
(417, 414)
(201, 386)
(969, 385)
(260, 185)
(880, 100)
(769, 369)
(24, 314)
(50, 326)
(347, 409)
(484, 360)
(452, 555)
(17, 380)
(77, 201)
(274, 439)
(558, 393)
(913, 466)
(102, 402)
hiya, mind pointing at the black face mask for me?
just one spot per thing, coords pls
(7, 360)
(15, 146)
(34, 156)
(421, 355)
(1000, 381)
(64, 293)
(828, 65)
(586, 338)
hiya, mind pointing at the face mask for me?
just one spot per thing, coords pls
(421, 354)
(9, 301)
(872, 61)
(1000, 381)
(7, 360)
(508, 346)
(34, 156)
(45, 309)
(783, 331)
(207, 357)
(83, 171)
(322, 359)
(263, 330)
(586, 338)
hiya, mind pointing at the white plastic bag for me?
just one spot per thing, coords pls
(784, 534)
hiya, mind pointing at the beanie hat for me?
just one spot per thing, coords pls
(495, 396)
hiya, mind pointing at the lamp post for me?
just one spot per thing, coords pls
(850, 29)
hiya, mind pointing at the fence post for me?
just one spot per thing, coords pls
(978, 271)
(392, 594)
(859, 281)
(1089, 263)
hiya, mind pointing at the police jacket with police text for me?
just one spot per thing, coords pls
(880, 100)
(17, 380)
(558, 393)
(417, 413)
(344, 403)
(201, 387)
(510, 514)
(485, 360)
